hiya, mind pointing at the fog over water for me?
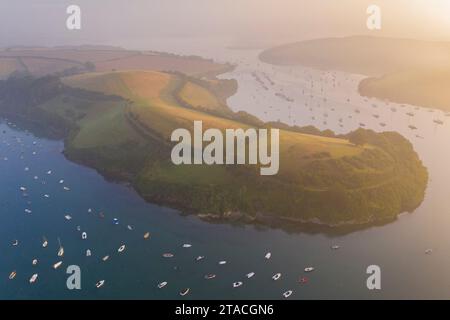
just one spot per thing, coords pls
(254, 23)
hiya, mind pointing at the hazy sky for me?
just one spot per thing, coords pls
(241, 22)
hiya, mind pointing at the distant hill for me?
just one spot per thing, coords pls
(404, 71)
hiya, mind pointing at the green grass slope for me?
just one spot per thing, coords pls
(122, 125)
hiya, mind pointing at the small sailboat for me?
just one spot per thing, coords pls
(268, 255)
(162, 285)
(121, 249)
(185, 292)
(105, 258)
(12, 275)
(147, 235)
(33, 278)
(100, 284)
(210, 276)
(309, 269)
(57, 265)
(237, 284)
(61, 249)
(287, 294)
(84, 236)
(276, 276)
(250, 275)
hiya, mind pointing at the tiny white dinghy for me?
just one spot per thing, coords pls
(12, 275)
(268, 255)
(187, 245)
(33, 278)
(34, 262)
(250, 275)
(57, 265)
(68, 217)
(222, 262)
(84, 236)
(309, 269)
(185, 292)
(45, 243)
(88, 253)
(210, 276)
(105, 258)
(288, 293)
(276, 276)
(100, 284)
(121, 249)
(237, 284)
(167, 255)
(162, 284)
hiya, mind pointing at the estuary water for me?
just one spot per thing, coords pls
(39, 209)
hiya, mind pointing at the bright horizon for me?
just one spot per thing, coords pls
(247, 22)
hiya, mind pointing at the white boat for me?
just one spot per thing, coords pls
(66, 189)
(185, 292)
(187, 245)
(250, 275)
(276, 276)
(129, 227)
(15, 243)
(268, 255)
(335, 247)
(162, 285)
(168, 255)
(199, 258)
(28, 211)
(105, 258)
(121, 249)
(33, 278)
(237, 284)
(147, 235)
(34, 262)
(100, 284)
(23, 189)
(210, 276)
(46, 196)
(49, 172)
(287, 294)
(68, 217)
(61, 181)
(12, 275)
(57, 265)
(84, 236)
(309, 269)
(88, 253)
(222, 262)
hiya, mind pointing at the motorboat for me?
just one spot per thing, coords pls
(287, 294)
(309, 269)
(57, 265)
(185, 292)
(162, 285)
(100, 284)
(121, 249)
(276, 276)
(237, 284)
(33, 278)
